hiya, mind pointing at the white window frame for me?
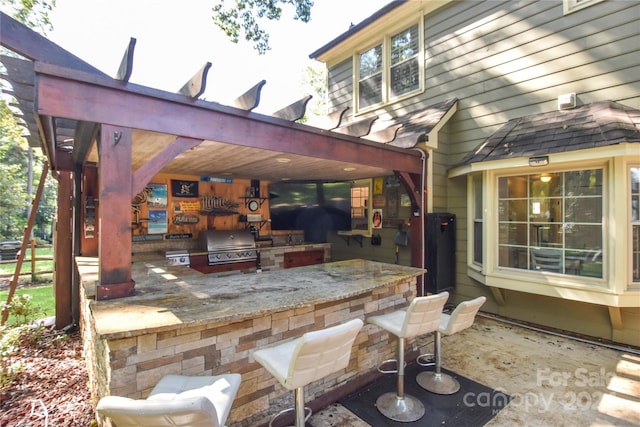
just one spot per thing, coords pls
(570, 6)
(386, 97)
(633, 285)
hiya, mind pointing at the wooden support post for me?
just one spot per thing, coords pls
(114, 244)
(63, 272)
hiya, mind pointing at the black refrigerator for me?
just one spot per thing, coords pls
(440, 252)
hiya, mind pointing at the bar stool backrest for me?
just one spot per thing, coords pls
(423, 315)
(462, 317)
(320, 353)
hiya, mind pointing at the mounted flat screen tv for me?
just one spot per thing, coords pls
(315, 207)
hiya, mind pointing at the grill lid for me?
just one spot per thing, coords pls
(226, 240)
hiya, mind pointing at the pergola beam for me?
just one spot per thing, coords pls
(85, 100)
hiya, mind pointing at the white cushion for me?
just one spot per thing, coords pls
(420, 318)
(462, 317)
(177, 401)
(311, 357)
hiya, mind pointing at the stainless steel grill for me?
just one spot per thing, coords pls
(226, 247)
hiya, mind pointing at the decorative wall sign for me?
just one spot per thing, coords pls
(187, 206)
(392, 202)
(405, 200)
(157, 221)
(216, 205)
(181, 188)
(158, 196)
(185, 219)
(391, 181)
(145, 237)
(178, 236)
(220, 179)
(378, 185)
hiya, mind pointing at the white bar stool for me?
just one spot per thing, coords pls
(461, 318)
(420, 318)
(309, 358)
(177, 400)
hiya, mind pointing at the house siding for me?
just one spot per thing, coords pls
(504, 60)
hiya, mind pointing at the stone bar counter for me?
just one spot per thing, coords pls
(183, 322)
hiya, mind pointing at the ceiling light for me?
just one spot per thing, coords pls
(545, 178)
(349, 169)
(283, 160)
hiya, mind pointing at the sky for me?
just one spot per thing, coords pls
(174, 39)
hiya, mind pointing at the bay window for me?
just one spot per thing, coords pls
(552, 222)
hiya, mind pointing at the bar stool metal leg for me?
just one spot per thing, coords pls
(437, 382)
(399, 406)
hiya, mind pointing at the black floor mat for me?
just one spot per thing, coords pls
(473, 405)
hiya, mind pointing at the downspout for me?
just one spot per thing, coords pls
(423, 157)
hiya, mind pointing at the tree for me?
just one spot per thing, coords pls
(244, 16)
(17, 159)
(13, 165)
(32, 13)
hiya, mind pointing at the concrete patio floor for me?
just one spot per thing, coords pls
(553, 380)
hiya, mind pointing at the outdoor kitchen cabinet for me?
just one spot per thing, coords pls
(302, 258)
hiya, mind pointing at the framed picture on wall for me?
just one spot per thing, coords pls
(157, 221)
(180, 188)
(376, 218)
(158, 196)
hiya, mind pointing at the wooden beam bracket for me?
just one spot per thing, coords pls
(294, 111)
(251, 98)
(197, 84)
(126, 66)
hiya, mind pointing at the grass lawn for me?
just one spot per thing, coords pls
(44, 262)
(40, 296)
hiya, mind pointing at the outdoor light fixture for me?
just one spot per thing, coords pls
(538, 161)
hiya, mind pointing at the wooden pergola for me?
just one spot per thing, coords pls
(109, 136)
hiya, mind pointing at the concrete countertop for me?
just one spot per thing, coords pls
(167, 297)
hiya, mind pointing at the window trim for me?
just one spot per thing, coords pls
(632, 286)
(385, 41)
(492, 246)
(570, 6)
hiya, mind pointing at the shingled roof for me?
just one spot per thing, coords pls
(593, 125)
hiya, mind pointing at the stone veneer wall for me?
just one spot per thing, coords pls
(132, 366)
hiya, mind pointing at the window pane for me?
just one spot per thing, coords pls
(580, 236)
(584, 263)
(636, 253)
(584, 183)
(585, 209)
(546, 185)
(405, 45)
(513, 257)
(477, 242)
(546, 235)
(513, 186)
(546, 210)
(478, 216)
(370, 62)
(405, 77)
(514, 234)
(512, 210)
(635, 227)
(370, 91)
